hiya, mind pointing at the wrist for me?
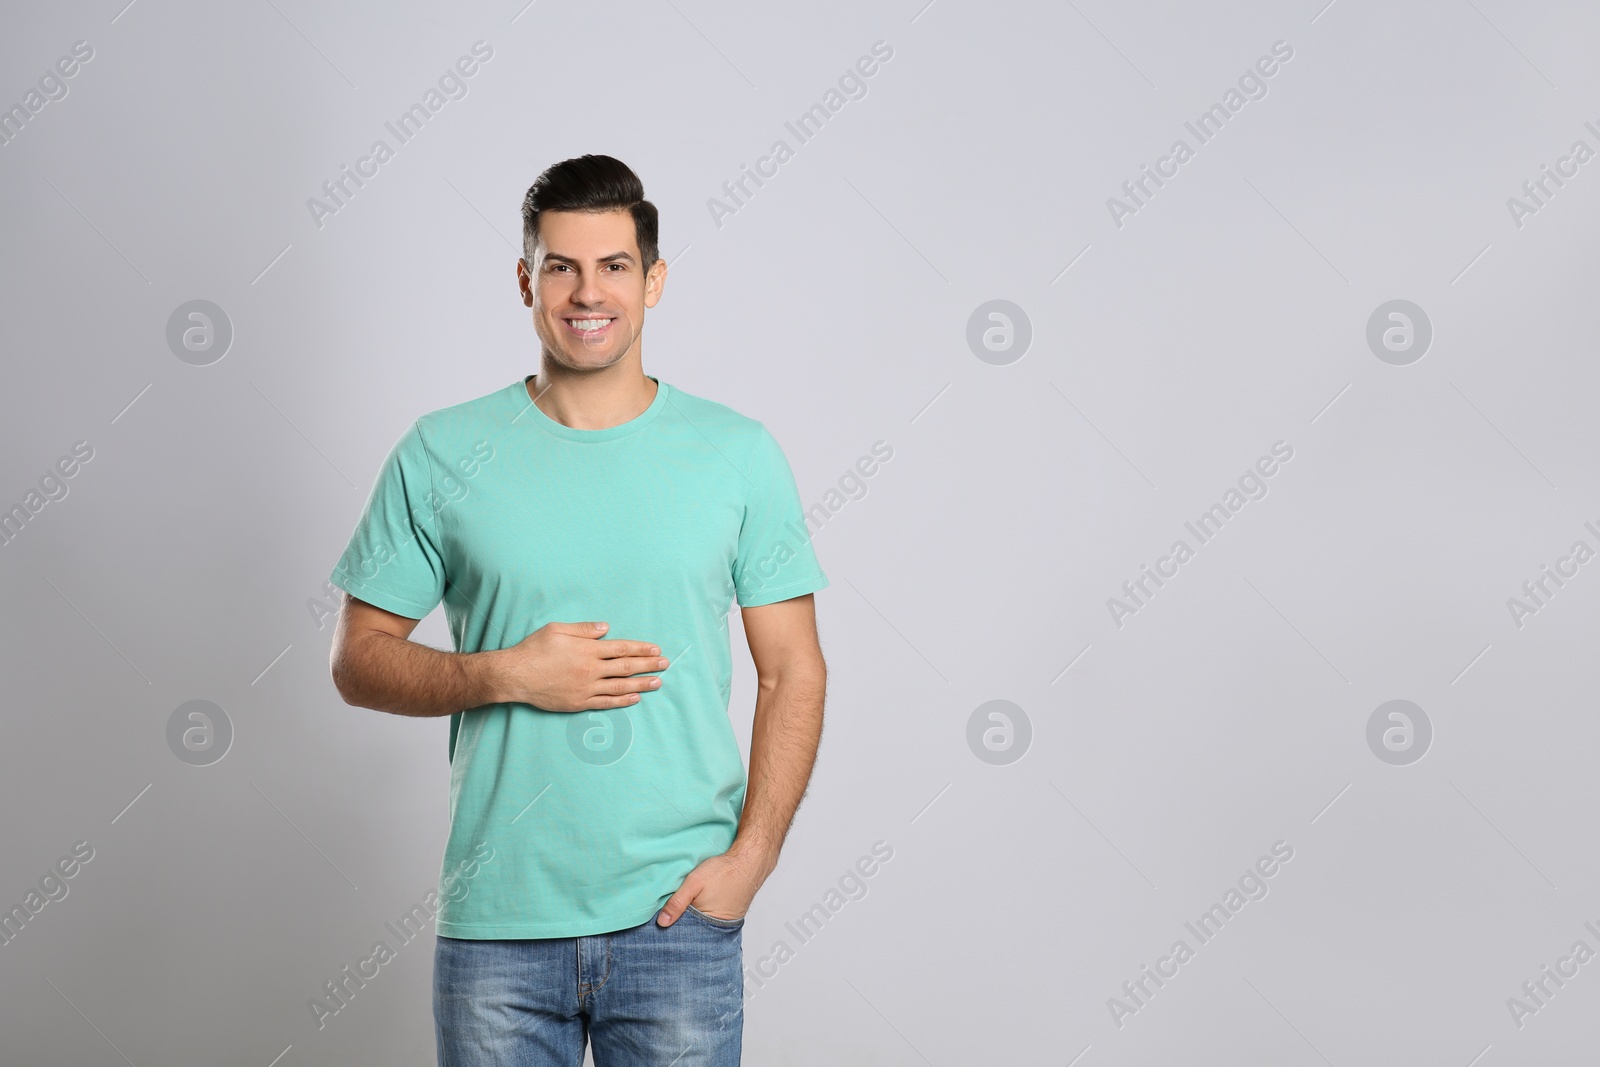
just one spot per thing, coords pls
(487, 679)
(760, 855)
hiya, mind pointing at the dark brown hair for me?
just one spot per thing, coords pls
(591, 183)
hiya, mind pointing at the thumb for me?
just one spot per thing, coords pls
(676, 905)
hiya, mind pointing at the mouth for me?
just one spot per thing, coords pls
(590, 328)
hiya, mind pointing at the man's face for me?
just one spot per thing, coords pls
(588, 290)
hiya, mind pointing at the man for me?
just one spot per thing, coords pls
(587, 530)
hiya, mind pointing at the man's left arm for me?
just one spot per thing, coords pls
(792, 683)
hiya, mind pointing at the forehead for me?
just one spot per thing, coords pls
(587, 236)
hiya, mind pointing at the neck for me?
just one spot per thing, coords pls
(592, 399)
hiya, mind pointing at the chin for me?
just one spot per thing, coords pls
(587, 360)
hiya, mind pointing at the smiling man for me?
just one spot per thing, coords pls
(587, 530)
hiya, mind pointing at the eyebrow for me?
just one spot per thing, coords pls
(613, 257)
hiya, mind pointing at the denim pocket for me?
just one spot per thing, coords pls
(721, 924)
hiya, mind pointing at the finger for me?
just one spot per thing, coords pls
(604, 703)
(618, 649)
(579, 629)
(626, 686)
(621, 668)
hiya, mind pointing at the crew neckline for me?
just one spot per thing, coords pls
(528, 409)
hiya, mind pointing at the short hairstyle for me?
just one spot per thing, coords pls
(594, 184)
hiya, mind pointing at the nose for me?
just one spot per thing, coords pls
(589, 292)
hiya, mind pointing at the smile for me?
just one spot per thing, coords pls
(589, 327)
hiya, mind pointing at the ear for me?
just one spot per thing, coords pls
(524, 282)
(654, 282)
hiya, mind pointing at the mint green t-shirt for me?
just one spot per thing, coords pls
(571, 824)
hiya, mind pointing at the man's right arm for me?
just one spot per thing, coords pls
(376, 665)
(558, 667)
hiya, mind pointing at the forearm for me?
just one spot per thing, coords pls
(394, 674)
(783, 750)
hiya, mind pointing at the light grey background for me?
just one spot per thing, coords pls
(1167, 754)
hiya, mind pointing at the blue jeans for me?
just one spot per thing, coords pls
(648, 996)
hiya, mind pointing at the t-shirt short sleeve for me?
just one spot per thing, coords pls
(775, 558)
(395, 557)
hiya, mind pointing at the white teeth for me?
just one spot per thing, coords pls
(587, 325)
